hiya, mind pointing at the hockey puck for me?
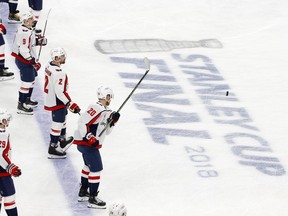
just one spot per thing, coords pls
(227, 93)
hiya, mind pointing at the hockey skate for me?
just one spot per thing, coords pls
(83, 194)
(95, 202)
(54, 153)
(5, 75)
(14, 17)
(22, 108)
(65, 143)
(30, 103)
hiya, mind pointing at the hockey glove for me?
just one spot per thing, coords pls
(35, 64)
(114, 117)
(73, 107)
(91, 139)
(2, 29)
(13, 170)
(41, 41)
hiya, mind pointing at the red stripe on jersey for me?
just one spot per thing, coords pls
(92, 121)
(2, 55)
(65, 89)
(54, 107)
(6, 151)
(20, 58)
(85, 143)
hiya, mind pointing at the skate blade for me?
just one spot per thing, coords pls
(83, 199)
(24, 113)
(6, 78)
(14, 22)
(95, 206)
(56, 156)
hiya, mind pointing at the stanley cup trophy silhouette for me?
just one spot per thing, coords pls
(151, 45)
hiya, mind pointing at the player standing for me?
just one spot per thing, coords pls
(24, 51)
(88, 142)
(7, 168)
(57, 100)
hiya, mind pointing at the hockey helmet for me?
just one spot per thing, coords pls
(103, 91)
(117, 209)
(26, 15)
(57, 52)
(5, 116)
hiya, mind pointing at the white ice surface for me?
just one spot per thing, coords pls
(151, 178)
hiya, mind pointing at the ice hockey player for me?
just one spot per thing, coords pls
(90, 125)
(24, 50)
(117, 209)
(7, 168)
(57, 100)
(4, 74)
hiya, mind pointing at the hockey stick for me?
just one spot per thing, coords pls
(147, 64)
(44, 31)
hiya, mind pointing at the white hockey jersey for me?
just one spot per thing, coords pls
(55, 88)
(24, 44)
(93, 120)
(5, 151)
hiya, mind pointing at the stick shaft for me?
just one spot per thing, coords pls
(146, 61)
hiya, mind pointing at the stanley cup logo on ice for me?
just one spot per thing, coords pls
(151, 45)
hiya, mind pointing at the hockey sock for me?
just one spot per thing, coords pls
(30, 92)
(84, 176)
(22, 97)
(63, 133)
(94, 182)
(54, 139)
(10, 206)
(12, 7)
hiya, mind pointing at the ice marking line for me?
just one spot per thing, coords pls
(66, 172)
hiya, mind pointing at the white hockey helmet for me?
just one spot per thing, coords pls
(26, 16)
(117, 209)
(103, 91)
(57, 52)
(5, 115)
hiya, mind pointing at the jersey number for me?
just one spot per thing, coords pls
(47, 81)
(91, 112)
(2, 144)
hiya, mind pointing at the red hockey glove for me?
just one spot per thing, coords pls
(35, 64)
(73, 107)
(41, 41)
(92, 139)
(13, 170)
(2, 29)
(115, 117)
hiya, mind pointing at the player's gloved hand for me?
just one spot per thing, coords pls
(2, 29)
(35, 64)
(73, 107)
(41, 41)
(114, 117)
(92, 139)
(13, 170)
